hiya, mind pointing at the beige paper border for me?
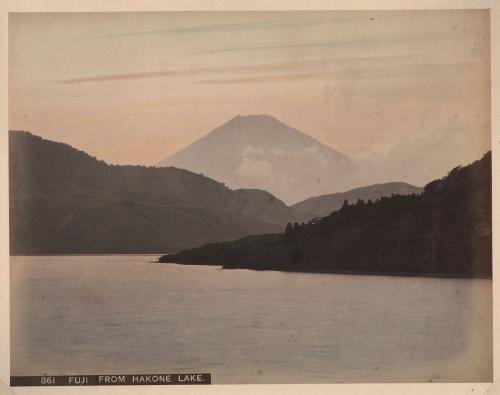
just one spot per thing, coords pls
(175, 5)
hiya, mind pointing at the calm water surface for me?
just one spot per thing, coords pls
(124, 315)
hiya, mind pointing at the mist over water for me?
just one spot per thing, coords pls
(125, 315)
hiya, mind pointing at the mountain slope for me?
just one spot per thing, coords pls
(65, 201)
(446, 231)
(320, 206)
(260, 152)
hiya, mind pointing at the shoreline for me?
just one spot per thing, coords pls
(34, 255)
(355, 273)
(341, 272)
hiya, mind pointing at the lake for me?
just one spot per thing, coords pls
(123, 314)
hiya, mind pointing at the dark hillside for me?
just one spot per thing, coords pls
(65, 201)
(446, 231)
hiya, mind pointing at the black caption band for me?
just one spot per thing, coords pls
(114, 379)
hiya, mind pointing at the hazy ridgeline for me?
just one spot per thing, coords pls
(320, 206)
(446, 231)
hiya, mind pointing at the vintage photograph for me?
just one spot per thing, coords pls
(260, 197)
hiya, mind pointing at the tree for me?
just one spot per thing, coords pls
(289, 232)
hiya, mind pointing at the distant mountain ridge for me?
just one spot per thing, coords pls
(259, 151)
(64, 201)
(320, 206)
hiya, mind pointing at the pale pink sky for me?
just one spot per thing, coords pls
(389, 89)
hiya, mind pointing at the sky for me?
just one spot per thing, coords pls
(405, 94)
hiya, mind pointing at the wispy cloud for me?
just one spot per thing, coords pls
(344, 68)
(405, 72)
(265, 67)
(324, 44)
(357, 41)
(225, 27)
(264, 78)
(175, 73)
(122, 77)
